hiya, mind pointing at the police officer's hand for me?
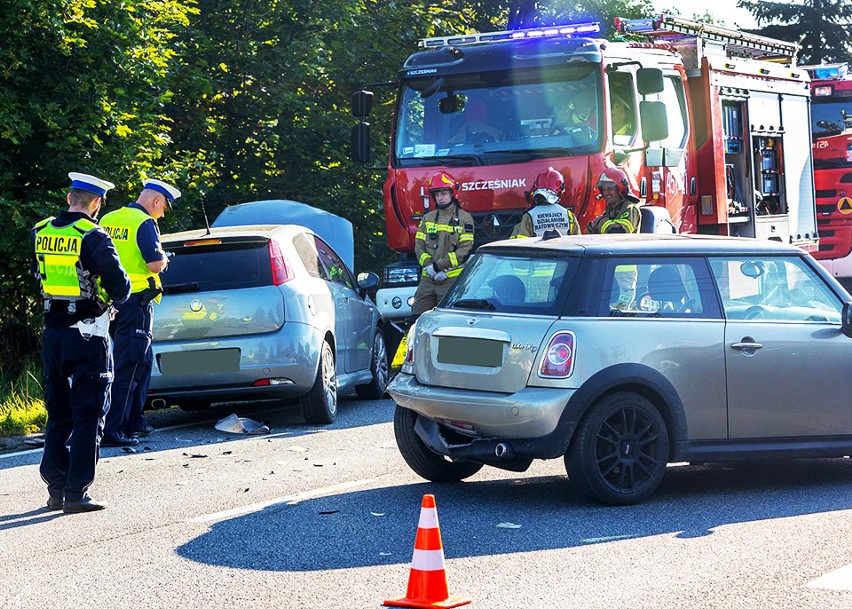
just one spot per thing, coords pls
(430, 271)
(440, 276)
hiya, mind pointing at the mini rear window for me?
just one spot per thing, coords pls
(227, 266)
(512, 284)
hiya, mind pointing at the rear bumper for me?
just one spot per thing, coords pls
(530, 413)
(290, 354)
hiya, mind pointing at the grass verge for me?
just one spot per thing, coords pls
(22, 403)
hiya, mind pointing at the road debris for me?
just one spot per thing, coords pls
(241, 425)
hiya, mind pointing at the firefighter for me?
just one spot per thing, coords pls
(622, 213)
(442, 243)
(80, 273)
(546, 212)
(137, 238)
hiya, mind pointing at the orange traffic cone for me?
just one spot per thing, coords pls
(427, 581)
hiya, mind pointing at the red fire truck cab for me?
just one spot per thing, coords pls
(831, 122)
(711, 126)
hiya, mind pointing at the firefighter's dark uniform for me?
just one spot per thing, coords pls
(624, 217)
(137, 240)
(443, 241)
(79, 272)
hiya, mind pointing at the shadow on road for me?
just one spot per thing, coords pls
(196, 430)
(340, 532)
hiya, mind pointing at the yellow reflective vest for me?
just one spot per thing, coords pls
(60, 271)
(123, 226)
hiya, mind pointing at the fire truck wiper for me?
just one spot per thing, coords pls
(474, 303)
(535, 153)
(451, 160)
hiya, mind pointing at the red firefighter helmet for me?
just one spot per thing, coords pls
(613, 176)
(444, 181)
(547, 187)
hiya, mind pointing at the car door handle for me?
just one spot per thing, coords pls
(744, 346)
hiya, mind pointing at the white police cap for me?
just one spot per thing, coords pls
(84, 181)
(170, 191)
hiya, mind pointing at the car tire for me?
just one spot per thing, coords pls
(375, 389)
(319, 405)
(619, 453)
(423, 461)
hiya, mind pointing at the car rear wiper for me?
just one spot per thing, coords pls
(474, 303)
(190, 286)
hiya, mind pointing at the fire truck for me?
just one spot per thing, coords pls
(831, 122)
(711, 125)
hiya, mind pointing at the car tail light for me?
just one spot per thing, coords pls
(558, 360)
(280, 271)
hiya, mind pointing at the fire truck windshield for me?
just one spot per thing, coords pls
(499, 117)
(831, 118)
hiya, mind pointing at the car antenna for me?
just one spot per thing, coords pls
(204, 212)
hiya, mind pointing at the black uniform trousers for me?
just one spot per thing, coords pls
(131, 335)
(77, 374)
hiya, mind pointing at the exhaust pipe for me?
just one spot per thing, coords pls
(503, 451)
(158, 403)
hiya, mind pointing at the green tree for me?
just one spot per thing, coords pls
(822, 27)
(82, 90)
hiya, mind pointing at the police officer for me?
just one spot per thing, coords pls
(622, 214)
(134, 230)
(546, 213)
(80, 273)
(442, 243)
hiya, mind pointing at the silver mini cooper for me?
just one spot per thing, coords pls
(623, 354)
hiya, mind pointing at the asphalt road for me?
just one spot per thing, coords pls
(325, 517)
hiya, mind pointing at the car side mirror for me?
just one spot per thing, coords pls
(846, 319)
(367, 282)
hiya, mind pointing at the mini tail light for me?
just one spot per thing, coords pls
(280, 272)
(558, 359)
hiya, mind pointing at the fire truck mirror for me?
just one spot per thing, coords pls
(655, 124)
(452, 103)
(649, 81)
(362, 103)
(361, 142)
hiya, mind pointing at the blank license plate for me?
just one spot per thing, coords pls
(200, 362)
(470, 351)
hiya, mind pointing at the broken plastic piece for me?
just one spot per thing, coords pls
(234, 424)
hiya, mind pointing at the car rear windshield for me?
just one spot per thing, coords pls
(513, 284)
(226, 266)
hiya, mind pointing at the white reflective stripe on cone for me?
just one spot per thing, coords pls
(428, 560)
(428, 519)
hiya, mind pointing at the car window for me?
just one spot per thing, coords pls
(335, 270)
(227, 266)
(309, 257)
(658, 288)
(775, 289)
(511, 284)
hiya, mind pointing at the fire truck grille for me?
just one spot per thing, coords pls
(495, 225)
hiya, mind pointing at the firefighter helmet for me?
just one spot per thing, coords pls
(444, 181)
(613, 176)
(547, 187)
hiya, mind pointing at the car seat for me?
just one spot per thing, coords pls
(508, 290)
(666, 287)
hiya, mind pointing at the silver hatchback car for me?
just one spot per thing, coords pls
(253, 312)
(625, 353)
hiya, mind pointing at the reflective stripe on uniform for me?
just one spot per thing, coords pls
(465, 237)
(454, 260)
(424, 257)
